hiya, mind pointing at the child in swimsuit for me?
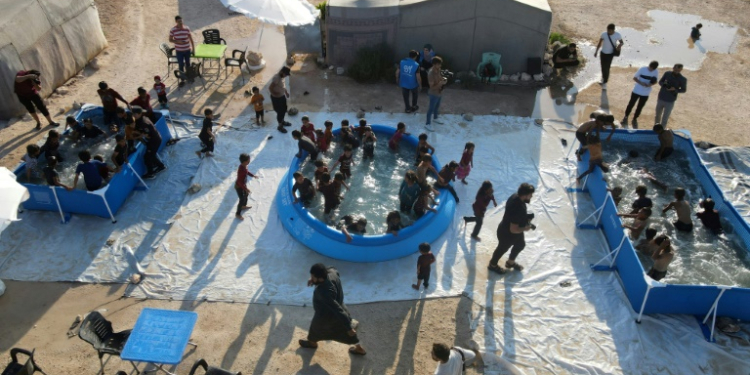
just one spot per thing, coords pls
(684, 223)
(639, 224)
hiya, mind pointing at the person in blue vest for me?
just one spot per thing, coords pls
(407, 77)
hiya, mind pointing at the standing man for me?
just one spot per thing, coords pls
(332, 320)
(425, 63)
(515, 222)
(26, 87)
(672, 83)
(407, 77)
(611, 43)
(644, 78)
(152, 139)
(109, 99)
(184, 46)
(279, 94)
(437, 83)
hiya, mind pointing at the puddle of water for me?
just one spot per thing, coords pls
(667, 41)
(559, 102)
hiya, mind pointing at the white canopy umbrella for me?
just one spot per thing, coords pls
(275, 12)
(11, 195)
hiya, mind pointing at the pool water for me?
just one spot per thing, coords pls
(102, 145)
(700, 257)
(374, 184)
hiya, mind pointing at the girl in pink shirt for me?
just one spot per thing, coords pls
(467, 162)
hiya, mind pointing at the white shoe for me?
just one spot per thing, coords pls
(438, 121)
(429, 128)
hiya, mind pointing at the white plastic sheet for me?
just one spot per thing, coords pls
(275, 12)
(556, 317)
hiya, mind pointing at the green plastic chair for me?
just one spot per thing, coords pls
(494, 58)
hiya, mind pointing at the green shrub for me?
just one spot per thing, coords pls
(322, 8)
(557, 37)
(372, 64)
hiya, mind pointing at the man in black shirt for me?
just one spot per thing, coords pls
(565, 56)
(152, 138)
(510, 231)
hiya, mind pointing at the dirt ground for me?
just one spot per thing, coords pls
(258, 338)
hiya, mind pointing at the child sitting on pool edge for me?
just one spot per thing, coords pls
(348, 225)
(594, 145)
(684, 223)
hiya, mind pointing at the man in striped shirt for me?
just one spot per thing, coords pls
(180, 36)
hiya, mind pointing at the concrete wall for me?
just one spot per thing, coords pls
(56, 37)
(459, 30)
(349, 29)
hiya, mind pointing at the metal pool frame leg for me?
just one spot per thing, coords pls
(101, 192)
(714, 310)
(598, 212)
(613, 257)
(59, 208)
(650, 284)
(137, 176)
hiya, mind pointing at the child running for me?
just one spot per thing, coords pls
(684, 223)
(424, 262)
(308, 128)
(345, 160)
(241, 185)
(368, 142)
(466, 163)
(207, 134)
(396, 138)
(485, 195)
(257, 101)
(639, 222)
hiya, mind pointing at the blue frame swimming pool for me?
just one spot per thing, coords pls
(316, 235)
(104, 202)
(650, 297)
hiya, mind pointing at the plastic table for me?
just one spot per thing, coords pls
(160, 337)
(211, 52)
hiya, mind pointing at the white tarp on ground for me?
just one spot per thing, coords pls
(730, 166)
(56, 37)
(275, 12)
(191, 247)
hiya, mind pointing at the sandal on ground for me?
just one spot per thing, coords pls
(307, 344)
(514, 266)
(354, 351)
(497, 269)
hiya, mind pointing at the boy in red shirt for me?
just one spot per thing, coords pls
(308, 128)
(161, 92)
(241, 185)
(143, 100)
(426, 258)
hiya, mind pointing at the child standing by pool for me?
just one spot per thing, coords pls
(682, 208)
(161, 92)
(346, 162)
(485, 195)
(466, 163)
(241, 185)
(207, 134)
(424, 264)
(639, 224)
(257, 101)
(396, 138)
(368, 142)
(408, 192)
(308, 128)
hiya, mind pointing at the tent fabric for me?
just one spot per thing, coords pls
(11, 195)
(57, 37)
(275, 12)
